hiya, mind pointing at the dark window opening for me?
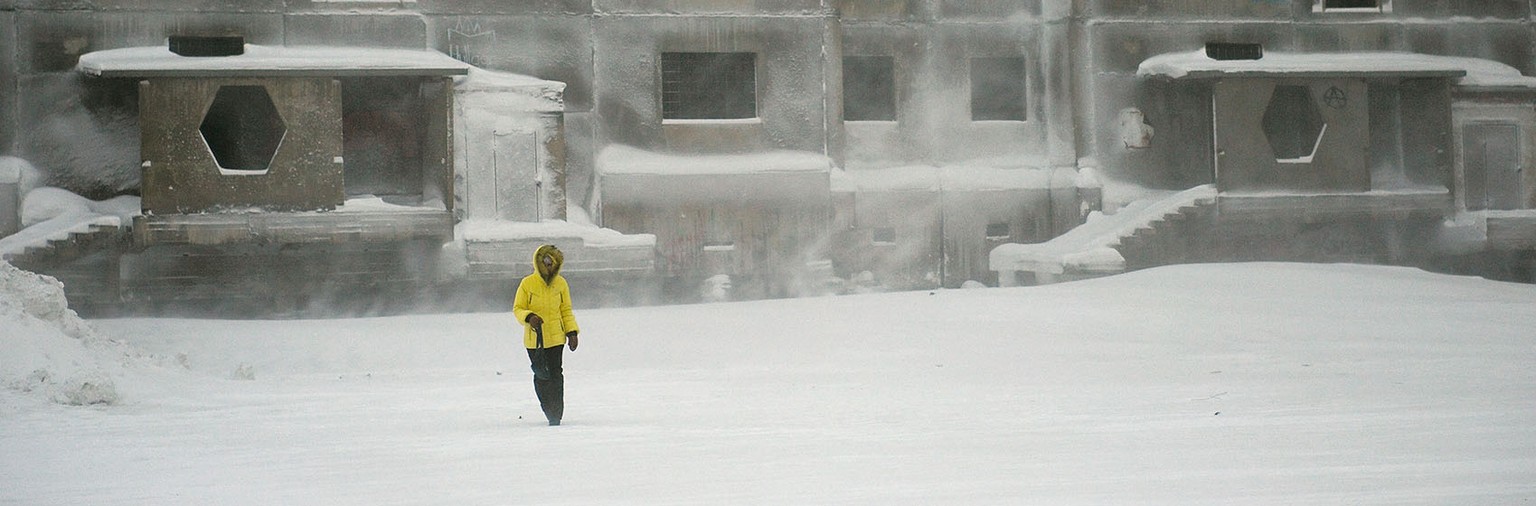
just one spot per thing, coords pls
(383, 135)
(1351, 4)
(1292, 123)
(708, 85)
(242, 128)
(198, 45)
(1233, 51)
(869, 88)
(883, 235)
(998, 231)
(997, 89)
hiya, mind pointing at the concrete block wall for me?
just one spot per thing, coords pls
(1113, 36)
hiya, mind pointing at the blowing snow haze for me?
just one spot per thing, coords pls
(811, 147)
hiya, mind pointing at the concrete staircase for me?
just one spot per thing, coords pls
(81, 250)
(1168, 238)
(1142, 234)
(63, 240)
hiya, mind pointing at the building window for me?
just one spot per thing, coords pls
(708, 85)
(997, 232)
(869, 88)
(1352, 5)
(1292, 124)
(242, 128)
(997, 89)
(883, 235)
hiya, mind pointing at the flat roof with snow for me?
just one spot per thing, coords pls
(297, 61)
(1196, 65)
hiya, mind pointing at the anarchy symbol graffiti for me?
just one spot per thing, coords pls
(1335, 98)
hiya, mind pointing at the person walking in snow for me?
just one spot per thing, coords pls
(543, 304)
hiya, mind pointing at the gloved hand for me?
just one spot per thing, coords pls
(570, 338)
(535, 320)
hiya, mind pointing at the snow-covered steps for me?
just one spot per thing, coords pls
(1095, 247)
(63, 238)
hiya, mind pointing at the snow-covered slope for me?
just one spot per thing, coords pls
(1210, 384)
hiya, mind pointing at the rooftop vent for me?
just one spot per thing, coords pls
(1233, 51)
(205, 45)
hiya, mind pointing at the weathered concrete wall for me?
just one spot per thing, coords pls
(1246, 159)
(181, 176)
(932, 66)
(8, 102)
(79, 144)
(548, 40)
(708, 6)
(503, 7)
(200, 6)
(967, 215)
(910, 258)
(405, 30)
(1113, 36)
(850, 11)
(790, 79)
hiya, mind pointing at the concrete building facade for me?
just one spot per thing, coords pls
(1058, 95)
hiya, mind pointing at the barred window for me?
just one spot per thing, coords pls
(708, 85)
(997, 89)
(1351, 4)
(869, 88)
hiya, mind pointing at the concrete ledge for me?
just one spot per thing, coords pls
(1512, 230)
(1325, 206)
(512, 259)
(291, 228)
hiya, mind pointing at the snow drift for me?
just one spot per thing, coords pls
(49, 351)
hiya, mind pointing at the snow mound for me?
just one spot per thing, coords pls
(46, 203)
(19, 172)
(47, 350)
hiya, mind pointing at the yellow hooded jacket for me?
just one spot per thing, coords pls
(550, 299)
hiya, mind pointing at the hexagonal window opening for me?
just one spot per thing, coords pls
(242, 129)
(1292, 124)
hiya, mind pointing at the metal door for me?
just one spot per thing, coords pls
(1491, 163)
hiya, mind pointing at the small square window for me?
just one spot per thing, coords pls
(708, 85)
(998, 232)
(1352, 6)
(997, 89)
(883, 235)
(869, 88)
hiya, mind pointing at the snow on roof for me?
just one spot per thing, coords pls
(496, 230)
(478, 79)
(159, 61)
(959, 178)
(787, 178)
(1474, 72)
(626, 160)
(510, 91)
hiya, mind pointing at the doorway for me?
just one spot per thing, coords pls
(1491, 165)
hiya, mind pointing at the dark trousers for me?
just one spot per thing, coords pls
(549, 380)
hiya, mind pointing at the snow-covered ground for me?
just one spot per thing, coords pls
(1210, 384)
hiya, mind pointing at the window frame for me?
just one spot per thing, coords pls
(1382, 6)
(731, 98)
(889, 86)
(1022, 92)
